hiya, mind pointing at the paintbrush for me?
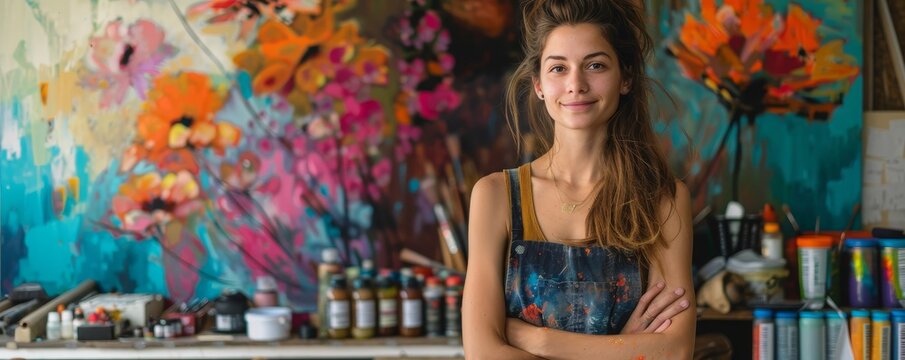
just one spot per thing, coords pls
(410, 256)
(455, 152)
(447, 236)
(792, 221)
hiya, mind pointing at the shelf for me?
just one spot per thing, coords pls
(708, 314)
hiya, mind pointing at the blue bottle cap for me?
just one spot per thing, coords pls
(892, 243)
(879, 315)
(811, 315)
(860, 313)
(832, 314)
(854, 242)
(763, 313)
(898, 314)
(786, 315)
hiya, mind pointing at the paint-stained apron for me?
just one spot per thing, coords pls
(582, 289)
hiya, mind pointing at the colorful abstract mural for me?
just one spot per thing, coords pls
(770, 95)
(183, 147)
(186, 147)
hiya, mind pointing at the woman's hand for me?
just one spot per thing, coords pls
(655, 309)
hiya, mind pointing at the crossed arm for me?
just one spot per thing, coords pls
(659, 328)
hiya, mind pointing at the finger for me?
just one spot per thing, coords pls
(660, 302)
(668, 313)
(649, 295)
(663, 326)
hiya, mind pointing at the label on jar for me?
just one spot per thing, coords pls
(338, 314)
(411, 313)
(364, 314)
(388, 316)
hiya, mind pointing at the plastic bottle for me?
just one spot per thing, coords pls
(53, 326)
(861, 256)
(812, 330)
(77, 321)
(814, 262)
(879, 349)
(387, 305)
(834, 323)
(898, 333)
(329, 266)
(860, 327)
(433, 302)
(338, 311)
(771, 241)
(412, 306)
(365, 324)
(454, 306)
(66, 325)
(764, 334)
(786, 335)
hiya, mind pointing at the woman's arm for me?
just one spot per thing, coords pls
(670, 264)
(483, 307)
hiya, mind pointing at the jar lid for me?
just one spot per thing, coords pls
(771, 227)
(879, 315)
(892, 243)
(453, 280)
(330, 256)
(898, 314)
(818, 241)
(266, 283)
(338, 281)
(860, 313)
(763, 314)
(858, 242)
(231, 302)
(786, 315)
(811, 315)
(434, 281)
(53, 316)
(832, 314)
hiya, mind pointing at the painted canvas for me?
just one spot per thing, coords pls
(184, 147)
(770, 103)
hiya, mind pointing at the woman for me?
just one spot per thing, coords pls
(574, 237)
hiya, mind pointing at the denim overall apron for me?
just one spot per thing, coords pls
(582, 289)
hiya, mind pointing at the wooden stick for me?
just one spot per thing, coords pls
(35, 323)
(895, 52)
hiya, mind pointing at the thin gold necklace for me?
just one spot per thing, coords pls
(565, 206)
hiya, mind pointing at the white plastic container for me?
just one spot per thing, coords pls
(764, 276)
(268, 323)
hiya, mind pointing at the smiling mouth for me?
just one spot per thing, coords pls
(578, 106)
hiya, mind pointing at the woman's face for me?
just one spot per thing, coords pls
(580, 81)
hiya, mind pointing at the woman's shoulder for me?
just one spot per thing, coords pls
(491, 185)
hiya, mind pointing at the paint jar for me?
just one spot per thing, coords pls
(771, 241)
(786, 335)
(860, 327)
(764, 337)
(861, 255)
(338, 308)
(266, 292)
(812, 329)
(813, 260)
(834, 323)
(433, 303)
(66, 325)
(365, 324)
(230, 308)
(764, 276)
(329, 266)
(892, 272)
(53, 326)
(387, 306)
(879, 349)
(412, 306)
(453, 306)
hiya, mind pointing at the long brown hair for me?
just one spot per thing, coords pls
(636, 176)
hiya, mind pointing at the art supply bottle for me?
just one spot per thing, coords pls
(365, 324)
(329, 266)
(266, 292)
(77, 321)
(66, 325)
(880, 346)
(338, 311)
(433, 301)
(786, 335)
(861, 255)
(834, 323)
(764, 334)
(814, 261)
(454, 306)
(892, 275)
(860, 327)
(387, 305)
(812, 330)
(412, 306)
(771, 241)
(898, 333)
(53, 326)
